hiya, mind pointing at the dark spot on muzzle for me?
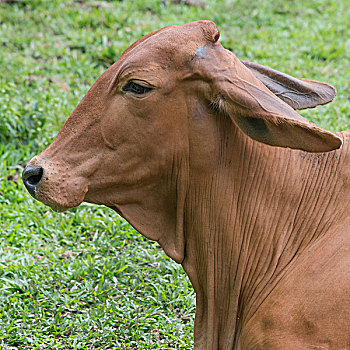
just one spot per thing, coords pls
(31, 177)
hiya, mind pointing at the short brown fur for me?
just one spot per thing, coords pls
(246, 194)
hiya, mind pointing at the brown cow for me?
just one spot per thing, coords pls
(205, 154)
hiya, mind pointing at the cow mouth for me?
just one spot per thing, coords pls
(60, 198)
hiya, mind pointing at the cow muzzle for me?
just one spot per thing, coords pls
(54, 184)
(32, 176)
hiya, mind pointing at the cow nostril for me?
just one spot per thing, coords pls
(35, 179)
(32, 176)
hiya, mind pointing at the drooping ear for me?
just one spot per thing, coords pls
(258, 112)
(297, 93)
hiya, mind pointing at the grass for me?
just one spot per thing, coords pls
(85, 279)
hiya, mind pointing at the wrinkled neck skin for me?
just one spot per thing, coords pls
(249, 216)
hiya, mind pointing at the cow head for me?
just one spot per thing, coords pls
(132, 140)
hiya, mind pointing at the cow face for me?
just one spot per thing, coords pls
(126, 132)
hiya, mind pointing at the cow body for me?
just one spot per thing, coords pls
(272, 262)
(195, 150)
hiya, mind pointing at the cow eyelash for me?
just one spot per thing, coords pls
(135, 88)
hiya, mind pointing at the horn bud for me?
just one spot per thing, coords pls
(210, 31)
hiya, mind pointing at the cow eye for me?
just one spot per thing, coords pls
(135, 88)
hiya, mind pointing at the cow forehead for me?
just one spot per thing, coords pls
(177, 38)
(172, 45)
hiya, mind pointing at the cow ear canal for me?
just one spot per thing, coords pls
(136, 88)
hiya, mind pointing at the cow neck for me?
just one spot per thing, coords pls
(248, 219)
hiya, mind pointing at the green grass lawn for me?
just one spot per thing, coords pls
(84, 279)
